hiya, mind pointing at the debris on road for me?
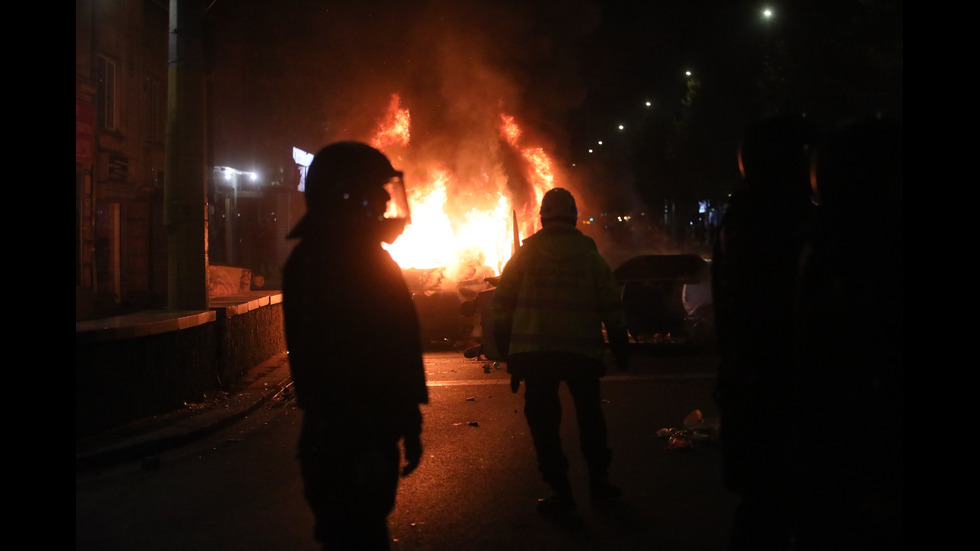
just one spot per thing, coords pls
(488, 367)
(696, 429)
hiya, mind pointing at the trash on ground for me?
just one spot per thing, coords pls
(696, 429)
(679, 442)
(693, 419)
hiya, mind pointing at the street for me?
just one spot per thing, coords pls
(475, 489)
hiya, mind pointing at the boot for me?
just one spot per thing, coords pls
(561, 501)
(557, 505)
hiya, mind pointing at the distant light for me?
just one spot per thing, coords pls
(600, 142)
(688, 73)
(301, 157)
(649, 104)
(621, 127)
(767, 13)
(590, 150)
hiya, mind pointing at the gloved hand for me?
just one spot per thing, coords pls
(516, 376)
(413, 453)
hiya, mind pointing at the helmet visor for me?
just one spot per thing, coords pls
(397, 199)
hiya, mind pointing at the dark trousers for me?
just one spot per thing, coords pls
(350, 485)
(543, 375)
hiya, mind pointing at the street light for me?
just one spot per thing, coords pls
(233, 175)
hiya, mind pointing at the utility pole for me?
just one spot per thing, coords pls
(185, 183)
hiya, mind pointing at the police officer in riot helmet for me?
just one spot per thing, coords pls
(354, 348)
(352, 185)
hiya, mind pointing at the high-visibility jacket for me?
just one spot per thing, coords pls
(555, 294)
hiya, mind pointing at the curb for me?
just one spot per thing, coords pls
(259, 385)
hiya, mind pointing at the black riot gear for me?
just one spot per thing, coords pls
(354, 184)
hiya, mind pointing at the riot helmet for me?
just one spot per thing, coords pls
(354, 184)
(558, 205)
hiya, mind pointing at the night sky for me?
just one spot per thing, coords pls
(305, 73)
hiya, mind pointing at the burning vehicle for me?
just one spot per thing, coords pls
(470, 207)
(466, 201)
(668, 299)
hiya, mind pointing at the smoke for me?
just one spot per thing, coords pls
(323, 71)
(457, 66)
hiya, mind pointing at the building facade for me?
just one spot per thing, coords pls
(120, 133)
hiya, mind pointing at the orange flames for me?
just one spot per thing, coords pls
(541, 176)
(479, 241)
(395, 128)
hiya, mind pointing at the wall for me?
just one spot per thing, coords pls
(136, 366)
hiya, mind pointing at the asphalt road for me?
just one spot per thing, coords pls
(475, 489)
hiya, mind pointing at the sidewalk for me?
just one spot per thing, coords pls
(153, 435)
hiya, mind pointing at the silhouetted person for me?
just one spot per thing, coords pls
(354, 347)
(851, 343)
(550, 304)
(754, 275)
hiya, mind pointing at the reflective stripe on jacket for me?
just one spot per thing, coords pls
(555, 294)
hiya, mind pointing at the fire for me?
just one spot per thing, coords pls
(396, 126)
(509, 129)
(541, 177)
(478, 240)
(432, 240)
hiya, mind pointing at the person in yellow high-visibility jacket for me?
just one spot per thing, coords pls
(550, 305)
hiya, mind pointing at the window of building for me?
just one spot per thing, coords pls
(106, 95)
(156, 109)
